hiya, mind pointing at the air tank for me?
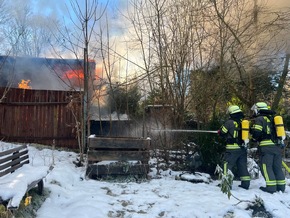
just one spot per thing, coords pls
(279, 125)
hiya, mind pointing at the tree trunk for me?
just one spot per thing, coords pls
(278, 95)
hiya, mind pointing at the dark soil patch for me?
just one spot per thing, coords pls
(260, 211)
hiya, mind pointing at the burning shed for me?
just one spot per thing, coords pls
(40, 99)
(43, 73)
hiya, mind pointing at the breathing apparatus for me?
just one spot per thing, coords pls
(278, 121)
(245, 125)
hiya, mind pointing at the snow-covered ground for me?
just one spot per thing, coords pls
(71, 195)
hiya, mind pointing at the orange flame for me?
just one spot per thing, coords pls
(74, 74)
(24, 84)
(75, 77)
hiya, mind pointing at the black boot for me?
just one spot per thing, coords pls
(244, 187)
(266, 190)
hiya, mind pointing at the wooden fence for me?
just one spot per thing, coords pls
(39, 116)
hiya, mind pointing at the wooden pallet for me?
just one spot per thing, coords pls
(117, 156)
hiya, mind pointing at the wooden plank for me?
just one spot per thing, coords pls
(118, 142)
(103, 170)
(12, 156)
(15, 162)
(12, 169)
(12, 159)
(97, 155)
(10, 151)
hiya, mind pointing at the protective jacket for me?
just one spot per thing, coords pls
(262, 129)
(236, 154)
(270, 153)
(230, 130)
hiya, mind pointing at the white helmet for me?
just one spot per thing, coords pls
(259, 106)
(234, 109)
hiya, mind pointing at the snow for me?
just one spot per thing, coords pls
(15, 185)
(72, 195)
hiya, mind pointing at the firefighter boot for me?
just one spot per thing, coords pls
(245, 185)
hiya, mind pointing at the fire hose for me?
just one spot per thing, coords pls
(286, 166)
(184, 130)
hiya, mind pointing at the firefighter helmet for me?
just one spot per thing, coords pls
(234, 109)
(259, 106)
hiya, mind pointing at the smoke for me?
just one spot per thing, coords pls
(44, 74)
(279, 4)
(280, 42)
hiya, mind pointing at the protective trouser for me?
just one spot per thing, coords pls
(271, 168)
(238, 157)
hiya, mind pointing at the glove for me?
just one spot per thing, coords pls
(281, 143)
(245, 144)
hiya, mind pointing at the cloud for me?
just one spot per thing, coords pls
(51, 7)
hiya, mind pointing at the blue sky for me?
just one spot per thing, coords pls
(60, 7)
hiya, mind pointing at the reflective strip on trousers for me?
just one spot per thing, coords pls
(266, 142)
(245, 178)
(268, 181)
(232, 146)
(281, 182)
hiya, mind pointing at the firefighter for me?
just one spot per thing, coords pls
(236, 152)
(270, 156)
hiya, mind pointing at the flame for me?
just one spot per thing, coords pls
(24, 84)
(75, 77)
(74, 74)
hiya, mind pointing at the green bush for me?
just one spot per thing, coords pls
(211, 147)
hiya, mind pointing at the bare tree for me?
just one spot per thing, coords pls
(77, 40)
(247, 38)
(281, 83)
(25, 33)
(6, 49)
(166, 33)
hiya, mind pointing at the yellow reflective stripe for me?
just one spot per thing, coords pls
(224, 129)
(268, 127)
(281, 182)
(235, 135)
(232, 146)
(268, 181)
(225, 168)
(257, 127)
(245, 178)
(271, 183)
(266, 142)
(265, 172)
